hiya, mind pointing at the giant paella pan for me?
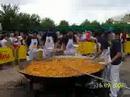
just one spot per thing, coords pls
(62, 67)
(61, 74)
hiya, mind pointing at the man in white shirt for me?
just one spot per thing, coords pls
(11, 38)
(4, 41)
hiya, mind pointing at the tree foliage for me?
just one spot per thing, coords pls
(64, 23)
(13, 20)
(63, 26)
(47, 24)
(86, 22)
(8, 17)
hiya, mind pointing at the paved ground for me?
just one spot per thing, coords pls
(125, 75)
(14, 77)
(12, 83)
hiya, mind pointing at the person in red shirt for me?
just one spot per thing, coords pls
(123, 37)
(16, 43)
(88, 36)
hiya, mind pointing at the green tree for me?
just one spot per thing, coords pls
(27, 22)
(63, 26)
(47, 24)
(109, 21)
(63, 23)
(12, 20)
(85, 23)
(24, 22)
(8, 17)
(35, 22)
(126, 18)
(95, 22)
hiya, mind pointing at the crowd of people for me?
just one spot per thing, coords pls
(46, 41)
(56, 41)
(109, 47)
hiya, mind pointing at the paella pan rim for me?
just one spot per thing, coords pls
(76, 76)
(58, 77)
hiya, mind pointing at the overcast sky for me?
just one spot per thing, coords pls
(74, 11)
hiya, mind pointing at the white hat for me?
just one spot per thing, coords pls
(20, 37)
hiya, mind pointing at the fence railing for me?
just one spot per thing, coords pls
(7, 54)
